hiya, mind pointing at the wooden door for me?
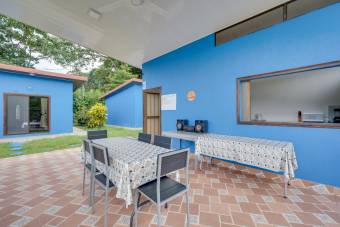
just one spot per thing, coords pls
(152, 111)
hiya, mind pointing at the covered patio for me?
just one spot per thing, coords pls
(45, 190)
(202, 62)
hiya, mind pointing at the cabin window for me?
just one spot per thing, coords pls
(307, 97)
(26, 114)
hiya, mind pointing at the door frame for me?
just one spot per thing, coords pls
(5, 95)
(155, 90)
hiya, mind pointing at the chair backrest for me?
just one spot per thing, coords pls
(100, 153)
(96, 134)
(86, 145)
(144, 137)
(171, 161)
(162, 141)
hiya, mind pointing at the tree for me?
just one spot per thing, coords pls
(110, 74)
(24, 45)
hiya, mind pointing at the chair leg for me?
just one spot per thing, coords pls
(159, 217)
(137, 198)
(92, 195)
(84, 174)
(91, 189)
(106, 206)
(187, 206)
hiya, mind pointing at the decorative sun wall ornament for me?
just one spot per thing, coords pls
(191, 96)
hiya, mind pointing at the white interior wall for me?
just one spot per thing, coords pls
(279, 99)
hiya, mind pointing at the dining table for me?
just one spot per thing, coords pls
(132, 163)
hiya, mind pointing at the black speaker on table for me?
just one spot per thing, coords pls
(188, 128)
(180, 124)
(201, 126)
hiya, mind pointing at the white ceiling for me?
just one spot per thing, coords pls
(133, 34)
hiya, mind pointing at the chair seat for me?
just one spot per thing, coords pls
(168, 188)
(102, 179)
(89, 166)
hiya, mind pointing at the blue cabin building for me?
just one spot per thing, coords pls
(124, 104)
(212, 72)
(35, 102)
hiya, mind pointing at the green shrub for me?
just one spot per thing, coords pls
(82, 102)
(96, 116)
(80, 117)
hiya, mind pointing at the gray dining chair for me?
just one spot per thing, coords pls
(144, 137)
(91, 135)
(96, 134)
(162, 141)
(88, 167)
(164, 189)
(101, 154)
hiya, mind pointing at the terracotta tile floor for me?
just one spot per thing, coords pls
(45, 190)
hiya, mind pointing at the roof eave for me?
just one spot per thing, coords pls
(41, 73)
(121, 86)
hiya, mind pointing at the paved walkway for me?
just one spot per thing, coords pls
(76, 132)
(45, 190)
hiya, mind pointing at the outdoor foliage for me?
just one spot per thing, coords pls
(96, 116)
(24, 45)
(82, 102)
(110, 74)
(47, 144)
(107, 76)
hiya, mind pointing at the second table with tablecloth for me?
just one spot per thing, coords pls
(272, 155)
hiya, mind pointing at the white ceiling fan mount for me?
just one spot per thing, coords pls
(137, 2)
(148, 6)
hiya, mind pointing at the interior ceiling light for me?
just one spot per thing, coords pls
(94, 14)
(137, 2)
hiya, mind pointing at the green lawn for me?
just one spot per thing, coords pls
(51, 144)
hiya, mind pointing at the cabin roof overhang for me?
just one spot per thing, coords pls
(77, 80)
(122, 86)
(130, 33)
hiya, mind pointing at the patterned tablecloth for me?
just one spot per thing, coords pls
(133, 163)
(267, 154)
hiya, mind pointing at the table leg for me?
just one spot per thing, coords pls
(210, 160)
(196, 162)
(286, 188)
(201, 161)
(286, 177)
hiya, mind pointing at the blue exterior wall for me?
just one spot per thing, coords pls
(212, 71)
(61, 99)
(124, 107)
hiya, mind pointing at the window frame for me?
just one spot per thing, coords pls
(286, 72)
(5, 104)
